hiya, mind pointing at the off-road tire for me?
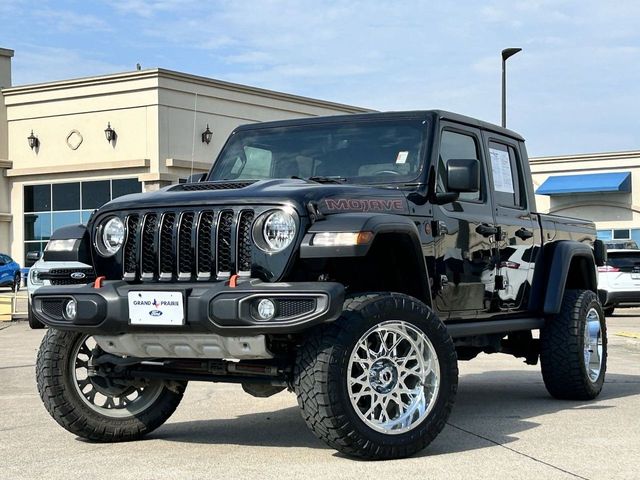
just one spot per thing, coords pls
(320, 378)
(63, 403)
(562, 348)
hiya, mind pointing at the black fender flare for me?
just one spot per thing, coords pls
(557, 260)
(356, 222)
(81, 250)
(376, 223)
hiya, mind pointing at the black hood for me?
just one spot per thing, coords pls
(328, 198)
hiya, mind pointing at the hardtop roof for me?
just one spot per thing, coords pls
(413, 114)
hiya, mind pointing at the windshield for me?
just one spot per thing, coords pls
(360, 152)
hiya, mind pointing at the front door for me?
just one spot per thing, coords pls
(463, 233)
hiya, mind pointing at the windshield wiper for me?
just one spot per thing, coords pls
(323, 179)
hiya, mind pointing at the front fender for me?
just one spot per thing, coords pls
(81, 250)
(356, 222)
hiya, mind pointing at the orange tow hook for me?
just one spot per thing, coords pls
(98, 282)
(233, 281)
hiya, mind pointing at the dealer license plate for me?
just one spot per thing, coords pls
(156, 308)
(635, 276)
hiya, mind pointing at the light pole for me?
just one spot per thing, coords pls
(506, 53)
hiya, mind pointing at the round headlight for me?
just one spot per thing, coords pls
(279, 230)
(34, 276)
(112, 236)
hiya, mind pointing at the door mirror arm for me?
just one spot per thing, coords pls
(444, 198)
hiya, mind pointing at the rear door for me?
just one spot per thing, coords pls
(519, 236)
(5, 274)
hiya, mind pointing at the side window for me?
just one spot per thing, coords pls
(506, 176)
(454, 145)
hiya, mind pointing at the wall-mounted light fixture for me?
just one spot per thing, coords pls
(207, 135)
(110, 133)
(33, 141)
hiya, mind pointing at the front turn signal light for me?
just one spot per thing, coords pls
(342, 239)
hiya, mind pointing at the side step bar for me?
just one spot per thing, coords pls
(469, 329)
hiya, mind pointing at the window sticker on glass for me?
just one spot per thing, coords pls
(402, 157)
(501, 167)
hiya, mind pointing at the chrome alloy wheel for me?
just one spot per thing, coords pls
(393, 377)
(103, 395)
(593, 345)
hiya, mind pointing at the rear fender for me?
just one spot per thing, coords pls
(564, 264)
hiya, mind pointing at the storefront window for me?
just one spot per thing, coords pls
(51, 206)
(66, 196)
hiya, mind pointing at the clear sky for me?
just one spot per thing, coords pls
(575, 88)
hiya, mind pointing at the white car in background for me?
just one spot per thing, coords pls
(55, 273)
(619, 280)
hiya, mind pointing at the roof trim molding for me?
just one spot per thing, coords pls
(82, 167)
(161, 73)
(79, 82)
(635, 154)
(187, 164)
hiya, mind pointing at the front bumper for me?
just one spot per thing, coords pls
(210, 307)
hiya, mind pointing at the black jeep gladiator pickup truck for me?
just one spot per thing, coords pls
(351, 259)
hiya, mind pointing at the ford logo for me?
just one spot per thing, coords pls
(78, 275)
(155, 313)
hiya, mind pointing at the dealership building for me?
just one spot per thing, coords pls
(602, 187)
(69, 146)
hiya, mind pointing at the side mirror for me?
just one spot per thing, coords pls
(196, 178)
(463, 175)
(599, 253)
(33, 256)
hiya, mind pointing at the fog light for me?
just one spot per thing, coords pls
(70, 309)
(266, 309)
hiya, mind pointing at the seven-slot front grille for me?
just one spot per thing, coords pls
(187, 245)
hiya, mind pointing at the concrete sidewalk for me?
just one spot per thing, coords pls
(504, 425)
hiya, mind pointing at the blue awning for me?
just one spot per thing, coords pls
(589, 183)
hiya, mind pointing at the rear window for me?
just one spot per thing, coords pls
(624, 260)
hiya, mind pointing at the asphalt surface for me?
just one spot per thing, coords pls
(504, 425)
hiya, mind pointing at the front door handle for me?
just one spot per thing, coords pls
(524, 234)
(486, 230)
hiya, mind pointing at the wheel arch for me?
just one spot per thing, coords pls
(566, 264)
(393, 257)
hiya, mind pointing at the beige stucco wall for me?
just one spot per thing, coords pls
(223, 107)
(5, 215)
(152, 112)
(608, 210)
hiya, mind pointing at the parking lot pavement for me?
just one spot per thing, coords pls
(504, 425)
